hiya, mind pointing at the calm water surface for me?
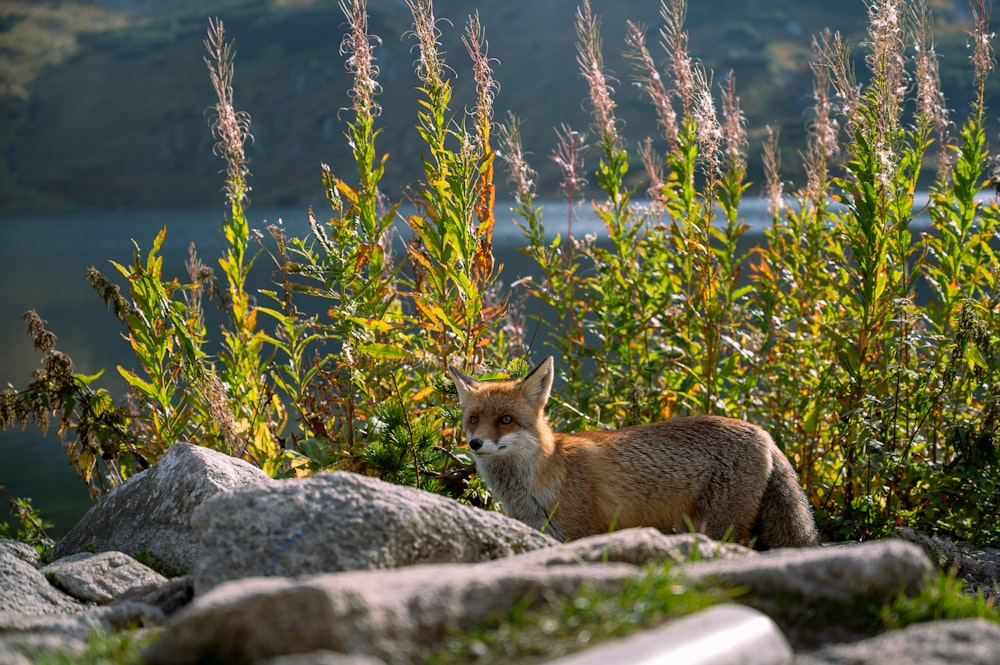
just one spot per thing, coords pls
(43, 260)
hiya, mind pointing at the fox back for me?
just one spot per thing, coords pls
(720, 475)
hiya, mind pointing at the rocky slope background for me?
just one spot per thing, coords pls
(341, 568)
(103, 103)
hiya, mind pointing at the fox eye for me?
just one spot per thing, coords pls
(473, 419)
(505, 420)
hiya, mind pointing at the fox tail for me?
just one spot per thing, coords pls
(785, 518)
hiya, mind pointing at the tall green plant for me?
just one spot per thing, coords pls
(245, 354)
(393, 322)
(864, 347)
(452, 244)
(875, 402)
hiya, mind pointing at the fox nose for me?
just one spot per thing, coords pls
(476, 444)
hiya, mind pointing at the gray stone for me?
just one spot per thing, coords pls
(639, 547)
(24, 638)
(978, 567)
(321, 658)
(813, 593)
(151, 511)
(842, 573)
(390, 614)
(22, 551)
(344, 521)
(166, 598)
(100, 578)
(23, 589)
(965, 641)
(721, 635)
(27, 648)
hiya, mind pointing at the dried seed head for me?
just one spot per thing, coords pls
(230, 128)
(521, 175)
(43, 339)
(887, 62)
(824, 128)
(675, 43)
(931, 106)
(591, 62)
(486, 86)
(358, 45)
(430, 64)
(982, 47)
(734, 132)
(773, 187)
(833, 61)
(570, 154)
(709, 132)
(654, 170)
(648, 80)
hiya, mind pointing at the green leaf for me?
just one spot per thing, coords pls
(318, 451)
(384, 351)
(87, 379)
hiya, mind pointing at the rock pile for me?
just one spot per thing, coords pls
(340, 568)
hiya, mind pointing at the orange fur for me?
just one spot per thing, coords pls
(720, 474)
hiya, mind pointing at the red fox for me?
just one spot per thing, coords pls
(721, 475)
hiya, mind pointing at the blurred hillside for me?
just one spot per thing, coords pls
(103, 103)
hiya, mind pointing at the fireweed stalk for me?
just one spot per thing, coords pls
(242, 357)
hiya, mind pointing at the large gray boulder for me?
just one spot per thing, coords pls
(389, 614)
(344, 521)
(150, 513)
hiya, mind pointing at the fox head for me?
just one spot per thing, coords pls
(505, 417)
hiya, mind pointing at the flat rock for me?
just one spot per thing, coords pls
(840, 573)
(978, 567)
(639, 547)
(24, 638)
(965, 642)
(813, 593)
(344, 521)
(25, 591)
(321, 658)
(21, 550)
(150, 513)
(167, 598)
(388, 614)
(100, 578)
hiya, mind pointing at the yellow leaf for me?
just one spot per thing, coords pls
(85, 464)
(423, 394)
(349, 192)
(432, 313)
(384, 351)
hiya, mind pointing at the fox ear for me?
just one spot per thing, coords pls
(537, 386)
(463, 382)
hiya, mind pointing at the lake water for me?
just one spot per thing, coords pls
(43, 260)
